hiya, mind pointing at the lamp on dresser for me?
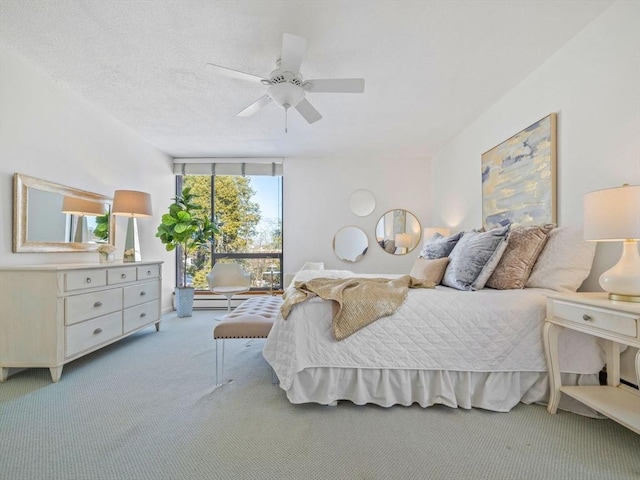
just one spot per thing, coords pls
(132, 204)
(610, 215)
(81, 207)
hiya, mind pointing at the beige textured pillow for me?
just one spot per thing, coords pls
(429, 269)
(523, 248)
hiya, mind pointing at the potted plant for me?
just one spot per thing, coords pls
(185, 226)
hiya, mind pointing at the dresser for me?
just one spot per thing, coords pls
(52, 314)
(617, 324)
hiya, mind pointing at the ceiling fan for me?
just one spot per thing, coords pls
(285, 85)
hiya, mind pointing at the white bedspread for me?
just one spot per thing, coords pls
(435, 329)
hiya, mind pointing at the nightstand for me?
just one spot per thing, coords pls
(617, 323)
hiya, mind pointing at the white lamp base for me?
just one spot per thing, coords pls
(132, 243)
(623, 280)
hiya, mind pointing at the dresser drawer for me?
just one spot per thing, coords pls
(116, 276)
(137, 294)
(91, 333)
(148, 272)
(84, 279)
(616, 322)
(140, 315)
(90, 305)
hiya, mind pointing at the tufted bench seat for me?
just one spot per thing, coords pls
(253, 318)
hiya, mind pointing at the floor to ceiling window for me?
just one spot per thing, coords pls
(244, 200)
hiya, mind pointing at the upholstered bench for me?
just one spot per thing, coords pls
(253, 318)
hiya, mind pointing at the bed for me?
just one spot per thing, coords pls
(465, 349)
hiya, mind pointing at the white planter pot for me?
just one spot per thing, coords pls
(184, 301)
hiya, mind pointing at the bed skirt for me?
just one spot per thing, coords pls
(496, 391)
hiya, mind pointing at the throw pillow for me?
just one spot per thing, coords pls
(429, 269)
(474, 258)
(439, 246)
(523, 248)
(565, 261)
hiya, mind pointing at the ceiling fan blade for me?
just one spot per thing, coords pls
(230, 72)
(255, 106)
(293, 49)
(335, 85)
(308, 111)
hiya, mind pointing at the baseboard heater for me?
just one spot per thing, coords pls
(214, 302)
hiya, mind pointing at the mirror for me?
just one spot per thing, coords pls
(48, 217)
(398, 232)
(350, 244)
(362, 203)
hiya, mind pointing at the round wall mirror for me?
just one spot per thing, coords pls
(362, 203)
(350, 244)
(398, 232)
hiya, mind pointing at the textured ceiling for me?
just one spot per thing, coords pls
(431, 67)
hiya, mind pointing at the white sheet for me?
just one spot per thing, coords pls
(437, 330)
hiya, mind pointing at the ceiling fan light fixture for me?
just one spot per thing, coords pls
(285, 94)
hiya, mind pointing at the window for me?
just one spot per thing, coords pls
(247, 210)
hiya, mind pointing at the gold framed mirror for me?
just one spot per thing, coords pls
(398, 232)
(350, 244)
(49, 217)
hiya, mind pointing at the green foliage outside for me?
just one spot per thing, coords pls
(237, 217)
(101, 232)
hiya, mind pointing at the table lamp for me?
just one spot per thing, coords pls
(429, 232)
(613, 215)
(132, 204)
(81, 207)
(403, 240)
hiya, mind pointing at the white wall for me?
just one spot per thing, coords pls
(593, 83)
(49, 132)
(316, 205)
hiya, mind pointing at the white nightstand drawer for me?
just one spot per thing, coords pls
(86, 335)
(116, 276)
(90, 305)
(148, 272)
(137, 294)
(135, 317)
(84, 279)
(616, 322)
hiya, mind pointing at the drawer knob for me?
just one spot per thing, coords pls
(97, 304)
(148, 272)
(88, 280)
(142, 315)
(124, 275)
(143, 293)
(97, 331)
(586, 317)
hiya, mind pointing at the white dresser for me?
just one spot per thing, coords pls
(53, 314)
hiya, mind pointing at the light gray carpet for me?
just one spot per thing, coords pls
(146, 408)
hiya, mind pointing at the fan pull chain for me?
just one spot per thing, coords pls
(286, 111)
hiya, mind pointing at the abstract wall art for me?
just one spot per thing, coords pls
(519, 177)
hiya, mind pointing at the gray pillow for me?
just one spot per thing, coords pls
(474, 258)
(439, 246)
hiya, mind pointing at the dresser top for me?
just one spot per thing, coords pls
(75, 266)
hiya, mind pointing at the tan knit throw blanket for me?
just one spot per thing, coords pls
(356, 301)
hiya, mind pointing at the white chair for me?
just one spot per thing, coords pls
(228, 279)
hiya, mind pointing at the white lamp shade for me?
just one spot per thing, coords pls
(403, 240)
(131, 203)
(612, 214)
(429, 232)
(81, 206)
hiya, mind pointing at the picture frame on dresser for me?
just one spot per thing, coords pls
(54, 314)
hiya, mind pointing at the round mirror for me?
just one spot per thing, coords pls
(398, 232)
(350, 244)
(362, 203)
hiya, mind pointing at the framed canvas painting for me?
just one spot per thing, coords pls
(519, 177)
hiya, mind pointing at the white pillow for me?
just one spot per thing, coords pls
(565, 261)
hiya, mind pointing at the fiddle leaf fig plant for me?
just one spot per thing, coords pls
(185, 226)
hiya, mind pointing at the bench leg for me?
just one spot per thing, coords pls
(219, 361)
